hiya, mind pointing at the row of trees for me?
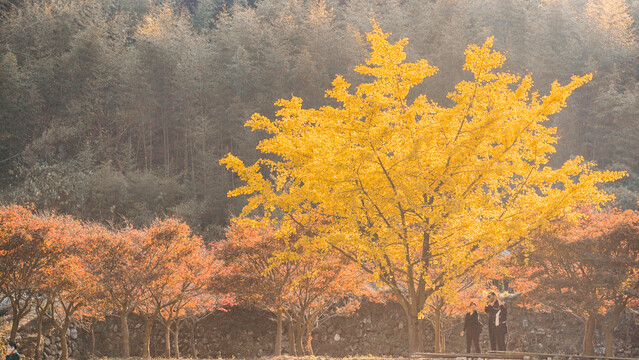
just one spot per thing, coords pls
(71, 272)
(121, 109)
(68, 271)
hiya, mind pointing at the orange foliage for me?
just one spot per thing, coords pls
(281, 273)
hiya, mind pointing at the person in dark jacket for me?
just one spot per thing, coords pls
(12, 351)
(497, 315)
(472, 328)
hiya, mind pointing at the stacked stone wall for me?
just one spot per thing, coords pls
(375, 329)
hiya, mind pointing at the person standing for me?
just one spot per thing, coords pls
(500, 326)
(12, 351)
(497, 315)
(472, 328)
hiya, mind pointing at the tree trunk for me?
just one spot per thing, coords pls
(309, 338)
(124, 320)
(176, 338)
(148, 327)
(437, 330)
(193, 347)
(64, 350)
(443, 338)
(415, 343)
(167, 338)
(299, 336)
(291, 339)
(39, 342)
(15, 312)
(278, 334)
(588, 347)
(609, 328)
(609, 336)
(92, 341)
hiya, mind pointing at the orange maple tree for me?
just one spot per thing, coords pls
(123, 272)
(26, 255)
(246, 252)
(193, 295)
(70, 284)
(167, 245)
(588, 267)
(280, 274)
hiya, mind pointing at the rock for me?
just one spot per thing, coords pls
(73, 334)
(337, 337)
(401, 325)
(47, 341)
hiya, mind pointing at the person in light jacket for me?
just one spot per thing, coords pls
(12, 351)
(497, 329)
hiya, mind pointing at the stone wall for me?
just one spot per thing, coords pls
(374, 329)
(52, 344)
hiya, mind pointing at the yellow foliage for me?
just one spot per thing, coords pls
(418, 193)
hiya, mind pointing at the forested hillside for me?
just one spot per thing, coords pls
(120, 110)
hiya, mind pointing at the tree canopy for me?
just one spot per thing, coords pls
(412, 186)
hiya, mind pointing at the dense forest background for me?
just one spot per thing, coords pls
(118, 111)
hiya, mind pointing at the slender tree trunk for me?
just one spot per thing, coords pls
(151, 154)
(39, 342)
(165, 140)
(609, 337)
(609, 328)
(278, 334)
(64, 350)
(124, 321)
(437, 330)
(148, 327)
(309, 338)
(176, 338)
(193, 347)
(186, 151)
(15, 324)
(298, 338)
(92, 341)
(167, 338)
(443, 339)
(291, 339)
(588, 347)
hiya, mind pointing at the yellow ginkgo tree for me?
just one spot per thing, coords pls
(417, 193)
